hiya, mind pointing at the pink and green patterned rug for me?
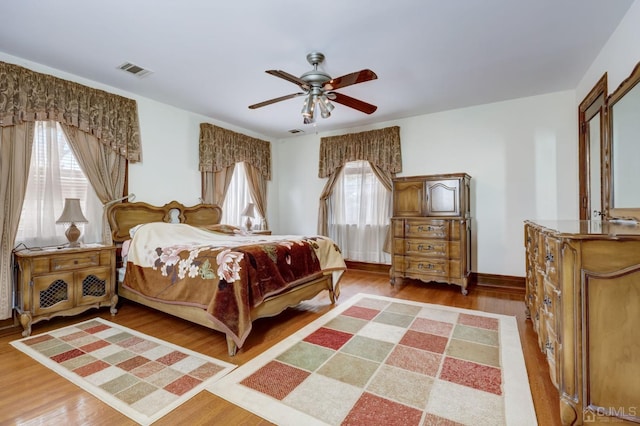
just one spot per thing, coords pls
(142, 377)
(375, 360)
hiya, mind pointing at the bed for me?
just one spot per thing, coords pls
(180, 260)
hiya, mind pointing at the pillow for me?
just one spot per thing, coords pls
(222, 228)
(133, 230)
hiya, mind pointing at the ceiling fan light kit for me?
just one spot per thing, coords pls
(318, 88)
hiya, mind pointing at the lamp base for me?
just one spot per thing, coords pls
(248, 224)
(72, 234)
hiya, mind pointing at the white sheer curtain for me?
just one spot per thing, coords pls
(237, 198)
(359, 214)
(54, 174)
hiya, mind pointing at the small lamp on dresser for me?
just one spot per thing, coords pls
(72, 214)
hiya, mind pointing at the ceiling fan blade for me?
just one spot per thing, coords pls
(289, 77)
(274, 100)
(349, 79)
(352, 102)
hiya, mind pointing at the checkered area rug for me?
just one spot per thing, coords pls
(378, 360)
(142, 377)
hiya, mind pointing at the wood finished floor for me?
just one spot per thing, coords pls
(31, 394)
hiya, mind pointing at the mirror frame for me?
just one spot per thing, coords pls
(611, 212)
(595, 102)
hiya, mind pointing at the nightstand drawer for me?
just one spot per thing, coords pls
(75, 261)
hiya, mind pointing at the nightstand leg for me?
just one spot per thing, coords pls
(25, 321)
(114, 302)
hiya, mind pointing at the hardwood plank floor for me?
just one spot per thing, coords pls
(31, 394)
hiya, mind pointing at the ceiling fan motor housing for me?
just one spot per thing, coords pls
(315, 77)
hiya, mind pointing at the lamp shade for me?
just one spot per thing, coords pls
(72, 213)
(249, 211)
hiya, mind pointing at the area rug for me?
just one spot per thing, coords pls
(382, 361)
(142, 377)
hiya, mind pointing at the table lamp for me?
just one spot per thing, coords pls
(72, 213)
(249, 212)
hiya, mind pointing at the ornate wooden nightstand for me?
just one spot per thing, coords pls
(260, 232)
(63, 282)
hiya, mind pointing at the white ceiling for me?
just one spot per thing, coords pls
(209, 56)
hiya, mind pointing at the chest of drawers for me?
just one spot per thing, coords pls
(431, 228)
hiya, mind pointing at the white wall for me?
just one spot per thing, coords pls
(521, 155)
(618, 57)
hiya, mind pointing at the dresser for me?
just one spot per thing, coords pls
(583, 298)
(62, 282)
(431, 228)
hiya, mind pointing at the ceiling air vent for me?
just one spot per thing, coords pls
(134, 69)
(294, 131)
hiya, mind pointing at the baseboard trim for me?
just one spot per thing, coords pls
(505, 283)
(380, 268)
(499, 282)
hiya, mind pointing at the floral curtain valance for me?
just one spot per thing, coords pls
(380, 147)
(26, 95)
(220, 148)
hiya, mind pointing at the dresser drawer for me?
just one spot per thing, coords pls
(551, 349)
(551, 258)
(550, 300)
(430, 248)
(416, 265)
(429, 229)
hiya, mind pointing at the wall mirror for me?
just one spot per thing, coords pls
(592, 126)
(623, 159)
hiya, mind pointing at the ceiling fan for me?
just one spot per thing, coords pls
(318, 87)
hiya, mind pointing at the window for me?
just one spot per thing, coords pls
(54, 174)
(237, 198)
(359, 211)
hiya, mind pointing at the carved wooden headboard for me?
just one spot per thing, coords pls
(124, 216)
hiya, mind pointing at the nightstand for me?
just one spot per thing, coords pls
(260, 232)
(62, 282)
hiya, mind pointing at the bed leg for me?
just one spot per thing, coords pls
(231, 346)
(332, 296)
